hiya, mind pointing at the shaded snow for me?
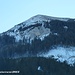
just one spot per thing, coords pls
(30, 34)
(39, 68)
(43, 36)
(61, 54)
(66, 27)
(55, 33)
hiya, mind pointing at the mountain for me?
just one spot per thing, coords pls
(40, 36)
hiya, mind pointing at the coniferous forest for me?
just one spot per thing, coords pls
(36, 66)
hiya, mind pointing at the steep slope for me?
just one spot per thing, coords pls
(40, 36)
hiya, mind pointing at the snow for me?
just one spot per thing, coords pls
(65, 27)
(11, 33)
(63, 19)
(39, 68)
(61, 54)
(41, 18)
(43, 36)
(43, 32)
(18, 38)
(29, 34)
(55, 33)
(16, 35)
(35, 19)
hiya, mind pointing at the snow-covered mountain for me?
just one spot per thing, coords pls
(33, 27)
(40, 36)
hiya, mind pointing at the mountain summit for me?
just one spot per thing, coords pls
(40, 36)
(34, 27)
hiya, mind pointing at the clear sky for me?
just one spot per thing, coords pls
(13, 12)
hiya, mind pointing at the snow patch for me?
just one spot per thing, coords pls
(65, 27)
(36, 19)
(18, 38)
(39, 68)
(61, 54)
(43, 36)
(55, 33)
(40, 19)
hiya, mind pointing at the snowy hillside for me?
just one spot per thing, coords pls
(26, 29)
(40, 36)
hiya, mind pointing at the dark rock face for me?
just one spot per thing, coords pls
(31, 26)
(65, 30)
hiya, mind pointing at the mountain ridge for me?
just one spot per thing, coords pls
(40, 19)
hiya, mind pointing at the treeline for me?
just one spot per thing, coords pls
(29, 66)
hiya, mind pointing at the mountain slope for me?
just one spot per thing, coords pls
(39, 35)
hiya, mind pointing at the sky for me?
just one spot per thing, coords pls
(13, 12)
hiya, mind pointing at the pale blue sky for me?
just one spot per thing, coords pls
(13, 12)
